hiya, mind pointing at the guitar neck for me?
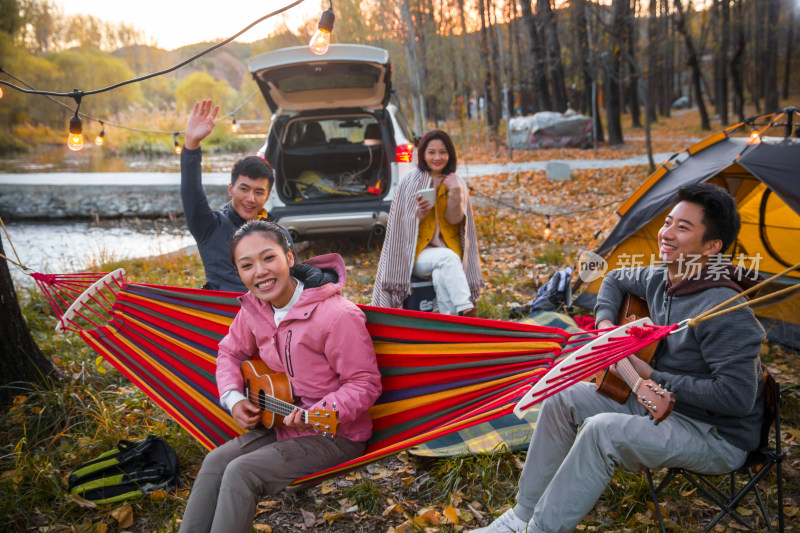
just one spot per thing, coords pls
(629, 374)
(279, 407)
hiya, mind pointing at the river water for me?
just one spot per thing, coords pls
(71, 246)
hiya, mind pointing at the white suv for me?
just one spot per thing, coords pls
(338, 147)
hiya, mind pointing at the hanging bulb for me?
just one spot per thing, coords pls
(234, 127)
(178, 148)
(547, 231)
(100, 136)
(1, 92)
(755, 137)
(321, 39)
(75, 139)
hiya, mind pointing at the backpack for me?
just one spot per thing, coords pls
(554, 294)
(131, 469)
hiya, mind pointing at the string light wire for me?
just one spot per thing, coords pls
(200, 54)
(538, 214)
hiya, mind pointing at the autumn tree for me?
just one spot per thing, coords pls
(694, 64)
(538, 58)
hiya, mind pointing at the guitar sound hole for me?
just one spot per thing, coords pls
(262, 402)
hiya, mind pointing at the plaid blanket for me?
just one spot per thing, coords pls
(505, 432)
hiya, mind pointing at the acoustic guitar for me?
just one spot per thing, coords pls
(272, 393)
(657, 400)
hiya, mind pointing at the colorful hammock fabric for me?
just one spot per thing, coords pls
(440, 374)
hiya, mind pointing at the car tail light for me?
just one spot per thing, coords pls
(405, 153)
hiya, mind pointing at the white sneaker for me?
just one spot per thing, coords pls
(507, 522)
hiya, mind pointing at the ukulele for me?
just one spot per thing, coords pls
(272, 393)
(653, 397)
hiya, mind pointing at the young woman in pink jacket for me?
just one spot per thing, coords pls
(296, 320)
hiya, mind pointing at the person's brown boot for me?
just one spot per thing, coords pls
(468, 312)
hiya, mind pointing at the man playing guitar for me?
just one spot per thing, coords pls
(713, 369)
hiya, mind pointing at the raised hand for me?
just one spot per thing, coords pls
(200, 123)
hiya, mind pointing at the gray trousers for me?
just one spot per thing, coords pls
(581, 436)
(235, 475)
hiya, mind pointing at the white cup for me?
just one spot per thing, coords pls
(428, 194)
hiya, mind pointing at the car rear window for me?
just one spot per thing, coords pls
(306, 132)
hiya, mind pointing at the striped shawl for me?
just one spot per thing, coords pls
(393, 280)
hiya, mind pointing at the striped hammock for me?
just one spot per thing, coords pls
(440, 374)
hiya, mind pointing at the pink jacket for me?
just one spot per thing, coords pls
(322, 345)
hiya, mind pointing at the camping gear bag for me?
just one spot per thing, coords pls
(130, 469)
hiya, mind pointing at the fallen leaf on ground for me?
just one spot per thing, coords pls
(123, 515)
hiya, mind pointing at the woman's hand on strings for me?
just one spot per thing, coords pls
(295, 420)
(246, 414)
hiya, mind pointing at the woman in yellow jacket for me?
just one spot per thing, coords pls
(431, 239)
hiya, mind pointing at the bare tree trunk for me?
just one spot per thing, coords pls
(612, 74)
(633, 71)
(757, 54)
(737, 59)
(465, 36)
(538, 58)
(590, 97)
(771, 66)
(666, 38)
(525, 99)
(787, 68)
(489, 78)
(721, 64)
(413, 70)
(582, 32)
(495, 48)
(652, 64)
(21, 361)
(547, 20)
(694, 65)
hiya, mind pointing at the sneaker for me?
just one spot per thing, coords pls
(507, 522)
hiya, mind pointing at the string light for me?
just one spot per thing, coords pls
(75, 139)
(321, 39)
(100, 136)
(547, 231)
(178, 148)
(1, 92)
(234, 127)
(755, 137)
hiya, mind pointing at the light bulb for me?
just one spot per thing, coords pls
(547, 231)
(177, 148)
(755, 138)
(75, 139)
(320, 42)
(234, 127)
(100, 138)
(321, 39)
(1, 92)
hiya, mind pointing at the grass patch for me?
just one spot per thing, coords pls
(487, 477)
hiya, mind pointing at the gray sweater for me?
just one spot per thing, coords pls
(211, 229)
(713, 368)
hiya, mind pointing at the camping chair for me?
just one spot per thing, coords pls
(758, 463)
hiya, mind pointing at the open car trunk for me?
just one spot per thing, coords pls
(331, 158)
